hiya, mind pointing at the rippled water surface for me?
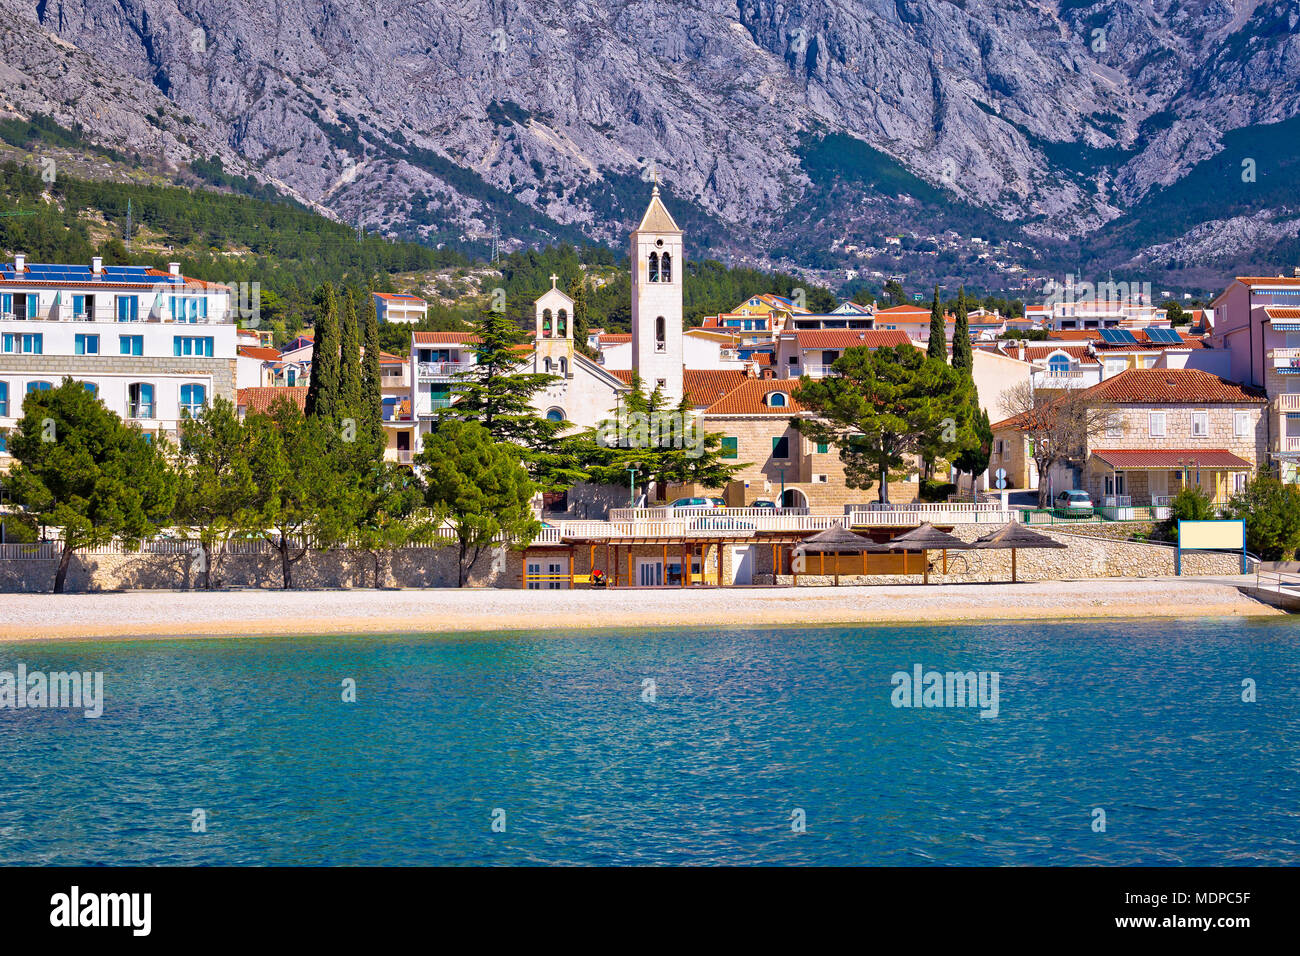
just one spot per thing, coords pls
(1143, 720)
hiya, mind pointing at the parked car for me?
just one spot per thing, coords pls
(764, 503)
(1073, 504)
(696, 503)
(718, 502)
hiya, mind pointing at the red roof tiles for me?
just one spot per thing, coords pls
(261, 398)
(1177, 458)
(1174, 386)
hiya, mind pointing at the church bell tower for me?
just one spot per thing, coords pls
(657, 268)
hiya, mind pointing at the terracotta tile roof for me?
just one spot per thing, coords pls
(1177, 458)
(259, 352)
(1036, 352)
(1174, 386)
(624, 375)
(848, 338)
(1075, 335)
(614, 338)
(399, 297)
(750, 398)
(901, 310)
(761, 358)
(260, 399)
(444, 338)
(1146, 344)
(1269, 280)
(704, 386)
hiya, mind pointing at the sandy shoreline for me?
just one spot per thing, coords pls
(27, 617)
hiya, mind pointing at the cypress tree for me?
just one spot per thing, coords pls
(963, 356)
(938, 345)
(349, 360)
(372, 407)
(323, 391)
(578, 293)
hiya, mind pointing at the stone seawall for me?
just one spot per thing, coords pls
(1086, 556)
(409, 568)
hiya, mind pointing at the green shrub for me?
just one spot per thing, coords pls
(1192, 504)
(935, 490)
(1271, 511)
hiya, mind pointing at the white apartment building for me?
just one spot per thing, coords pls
(153, 345)
(397, 307)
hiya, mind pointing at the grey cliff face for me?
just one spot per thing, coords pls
(434, 117)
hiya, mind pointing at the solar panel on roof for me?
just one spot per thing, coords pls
(1111, 336)
(1164, 336)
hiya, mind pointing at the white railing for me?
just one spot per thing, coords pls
(1290, 442)
(976, 506)
(442, 369)
(1117, 501)
(547, 536)
(667, 514)
(1288, 402)
(911, 518)
(1285, 358)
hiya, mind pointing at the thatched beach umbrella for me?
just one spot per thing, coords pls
(838, 540)
(925, 539)
(1014, 536)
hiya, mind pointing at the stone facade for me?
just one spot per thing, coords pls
(814, 478)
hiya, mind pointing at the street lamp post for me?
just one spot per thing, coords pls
(631, 486)
(781, 500)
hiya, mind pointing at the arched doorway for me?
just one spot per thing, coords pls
(794, 498)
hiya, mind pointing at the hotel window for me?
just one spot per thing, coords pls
(823, 447)
(1059, 365)
(189, 308)
(4, 399)
(82, 306)
(1157, 424)
(91, 387)
(781, 447)
(38, 387)
(192, 345)
(1114, 427)
(776, 400)
(1241, 424)
(128, 308)
(7, 303)
(731, 448)
(25, 343)
(86, 344)
(139, 397)
(192, 399)
(1200, 424)
(130, 344)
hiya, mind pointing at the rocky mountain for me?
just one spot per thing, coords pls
(782, 129)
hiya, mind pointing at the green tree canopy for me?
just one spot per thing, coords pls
(937, 347)
(1271, 511)
(216, 493)
(883, 405)
(80, 469)
(323, 390)
(479, 487)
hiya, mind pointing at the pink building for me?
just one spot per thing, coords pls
(1257, 319)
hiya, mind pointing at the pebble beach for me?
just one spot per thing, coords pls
(234, 613)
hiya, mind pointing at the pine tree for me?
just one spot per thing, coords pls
(492, 393)
(372, 401)
(323, 391)
(349, 360)
(578, 293)
(963, 356)
(938, 345)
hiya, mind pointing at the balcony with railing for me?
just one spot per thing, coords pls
(1287, 402)
(439, 371)
(1285, 359)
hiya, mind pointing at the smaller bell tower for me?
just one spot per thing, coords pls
(553, 343)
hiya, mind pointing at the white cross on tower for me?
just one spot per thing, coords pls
(554, 279)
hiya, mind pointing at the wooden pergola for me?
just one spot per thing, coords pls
(836, 540)
(925, 539)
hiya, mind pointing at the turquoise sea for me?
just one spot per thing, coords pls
(741, 735)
